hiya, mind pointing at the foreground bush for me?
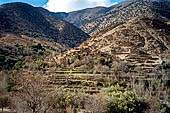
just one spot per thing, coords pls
(122, 101)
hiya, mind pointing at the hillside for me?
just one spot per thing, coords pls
(139, 42)
(117, 14)
(82, 16)
(17, 52)
(24, 19)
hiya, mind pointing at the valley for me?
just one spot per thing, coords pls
(96, 60)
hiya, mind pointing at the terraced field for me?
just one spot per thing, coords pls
(86, 82)
(141, 41)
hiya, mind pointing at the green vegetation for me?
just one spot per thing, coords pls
(41, 65)
(86, 83)
(77, 57)
(20, 48)
(123, 101)
(7, 61)
(18, 65)
(165, 107)
(99, 84)
(165, 65)
(106, 61)
(2, 59)
(37, 47)
(102, 61)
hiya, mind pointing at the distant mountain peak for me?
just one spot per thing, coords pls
(92, 21)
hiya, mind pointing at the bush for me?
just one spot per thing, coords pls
(86, 84)
(77, 57)
(106, 61)
(40, 63)
(18, 65)
(2, 59)
(122, 101)
(66, 101)
(164, 65)
(102, 61)
(99, 84)
(7, 61)
(165, 107)
(37, 47)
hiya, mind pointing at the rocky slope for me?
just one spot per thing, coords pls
(82, 16)
(23, 19)
(140, 41)
(117, 14)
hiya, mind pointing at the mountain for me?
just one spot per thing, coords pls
(81, 17)
(141, 42)
(23, 19)
(92, 21)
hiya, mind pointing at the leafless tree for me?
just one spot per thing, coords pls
(30, 96)
(4, 101)
(96, 104)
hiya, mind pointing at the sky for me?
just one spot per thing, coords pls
(65, 5)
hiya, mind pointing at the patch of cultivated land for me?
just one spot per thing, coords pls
(87, 82)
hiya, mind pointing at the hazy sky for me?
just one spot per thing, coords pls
(65, 5)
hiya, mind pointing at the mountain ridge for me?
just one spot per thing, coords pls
(118, 14)
(23, 19)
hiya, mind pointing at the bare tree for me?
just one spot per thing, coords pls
(4, 102)
(96, 104)
(30, 96)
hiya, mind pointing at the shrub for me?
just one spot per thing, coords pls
(106, 61)
(165, 107)
(102, 61)
(77, 57)
(7, 61)
(18, 65)
(37, 47)
(85, 84)
(122, 101)
(99, 84)
(2, 58)
(40, 63)
(164, 65)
